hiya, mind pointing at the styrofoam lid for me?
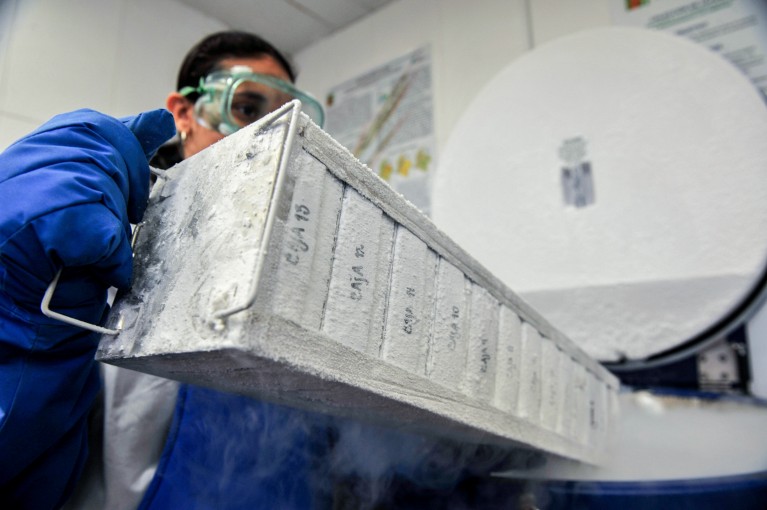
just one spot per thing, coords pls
(617, 180)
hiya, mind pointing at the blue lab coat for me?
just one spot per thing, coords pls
(69, 193)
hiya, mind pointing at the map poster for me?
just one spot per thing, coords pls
(385, 118)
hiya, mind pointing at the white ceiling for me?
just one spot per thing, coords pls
(290, 25)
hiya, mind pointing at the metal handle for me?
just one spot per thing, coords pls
(45, 304)
(294, 107)
(45, 308)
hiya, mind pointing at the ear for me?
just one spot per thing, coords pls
(182, 110)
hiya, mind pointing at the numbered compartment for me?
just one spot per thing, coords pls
(303, 276)
(582, 424)
(410, 305)
(446, 361)
(599, 413)
(482, 345)
(550, 389)
(509, 357)
(567, 410)
(354, 314)
(613, 407)
(530, 376)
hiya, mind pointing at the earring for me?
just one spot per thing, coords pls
(183, 136)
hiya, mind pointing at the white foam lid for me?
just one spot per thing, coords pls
(677, 142)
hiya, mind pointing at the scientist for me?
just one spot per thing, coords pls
(69, 435)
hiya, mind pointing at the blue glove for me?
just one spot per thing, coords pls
(69, 192)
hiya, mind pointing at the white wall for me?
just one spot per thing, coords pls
(554, 18)
(121, 56)
(471, 42)
(117, 56)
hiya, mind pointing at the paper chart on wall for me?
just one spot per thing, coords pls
(385, 118)
(736, 29)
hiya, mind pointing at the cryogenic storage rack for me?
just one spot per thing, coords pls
(275, 264)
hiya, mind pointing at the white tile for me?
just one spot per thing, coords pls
(372, 5)
(338, 13)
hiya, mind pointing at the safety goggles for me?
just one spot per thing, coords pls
(233, 98)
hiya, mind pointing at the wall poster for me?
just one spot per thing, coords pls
(385, 118)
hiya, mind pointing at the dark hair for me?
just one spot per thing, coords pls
(206, 54)
(201, 60)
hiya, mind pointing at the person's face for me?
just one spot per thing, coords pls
(198, 137)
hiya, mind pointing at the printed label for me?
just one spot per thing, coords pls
(577, 179)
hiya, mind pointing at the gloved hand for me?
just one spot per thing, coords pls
(69, 192)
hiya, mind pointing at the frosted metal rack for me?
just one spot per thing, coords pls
(275, 264)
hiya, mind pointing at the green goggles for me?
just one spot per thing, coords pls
(233, 98)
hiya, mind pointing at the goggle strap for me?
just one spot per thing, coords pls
(200, 89)
(271, 81)
(187, 90)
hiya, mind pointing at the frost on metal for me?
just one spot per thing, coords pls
(274, 264)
